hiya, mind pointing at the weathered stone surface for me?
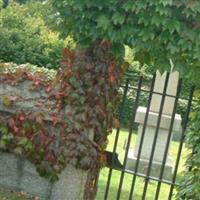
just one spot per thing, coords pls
(32, 183)
(70, 185)
(19, 174)
(26, 99)
(153, 119)
(9, 170)
(144, 165)
(159, 88)
(148, 143)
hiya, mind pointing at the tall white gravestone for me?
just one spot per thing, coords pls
(151, 126)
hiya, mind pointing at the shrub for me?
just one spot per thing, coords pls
(190, 185)
(24, 37)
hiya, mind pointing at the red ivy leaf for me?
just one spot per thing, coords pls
(16, 130)
(40, 103)
(11, 123)
(48, 88)
(22, 117)
(68, 58)
(54, 119)
(51, 157)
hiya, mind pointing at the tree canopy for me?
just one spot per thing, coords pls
(25, 37)
(162, 32)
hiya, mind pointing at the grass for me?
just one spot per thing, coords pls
(7, 195)
(128, 177)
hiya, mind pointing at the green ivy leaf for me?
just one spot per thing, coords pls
(6, 101)
(74, 82)
(23, 141)
(3, 130)
(2, 144)
(7, 138)
(118, 18)
(103, 22)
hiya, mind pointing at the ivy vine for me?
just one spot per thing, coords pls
(80, 117)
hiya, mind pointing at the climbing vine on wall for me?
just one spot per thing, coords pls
(79, 119)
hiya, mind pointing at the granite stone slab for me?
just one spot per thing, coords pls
(155, 168)
(9, 170)
(19, 174)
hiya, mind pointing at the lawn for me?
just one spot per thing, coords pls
(6, 195)
(128, 177)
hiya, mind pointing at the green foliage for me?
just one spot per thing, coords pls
(144, 98)
(5, 3)
(24, 37)
(190, 185)
(129, 106)
(33, 69)
(158, 30)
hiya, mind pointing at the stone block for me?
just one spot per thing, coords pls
(148, 143)
(19, 174)
(153, 119)
(32, 183)
(71, 185)
(155, 168)
(9, 170)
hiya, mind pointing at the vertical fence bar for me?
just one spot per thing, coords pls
(116, 138)
(147, 177)
(129, 137)
(155, 137)
(142, 138)
(181, 143)
(168, 140)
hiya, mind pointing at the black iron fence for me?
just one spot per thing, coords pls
(164, 174)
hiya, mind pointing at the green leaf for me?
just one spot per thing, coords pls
(23, 141)
(3, 130)
(2, 144)
(118, 18)
(74, 82)
(103, 22)
(197, 94)
(6, 101)
(7, 137)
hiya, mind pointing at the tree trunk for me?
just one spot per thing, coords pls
(98, 78)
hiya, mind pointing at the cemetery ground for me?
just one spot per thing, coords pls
(6, 195)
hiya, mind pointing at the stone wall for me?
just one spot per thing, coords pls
(17, 173)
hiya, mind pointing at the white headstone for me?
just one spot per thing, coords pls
(159, 88)
(151, 128)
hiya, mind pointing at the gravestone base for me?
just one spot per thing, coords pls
(18, 174)
(155, 168)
